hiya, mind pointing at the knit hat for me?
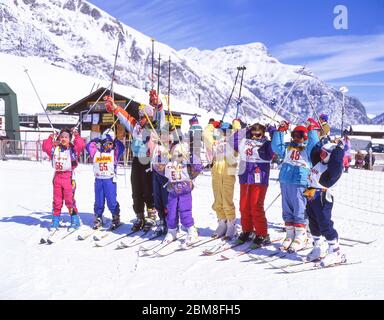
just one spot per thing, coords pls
(323, 117)
(225, 126)
(236, 124)
(194, 121)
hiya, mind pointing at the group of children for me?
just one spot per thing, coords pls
(164, 167)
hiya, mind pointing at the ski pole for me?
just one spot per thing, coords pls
(158, 76)
(290, 91)
(230, 97)
(240, 101)
(270, 205)
(313, 108)
(153, 60)
(169, 84)
(33, 86)
(114, 67)
(110, 87)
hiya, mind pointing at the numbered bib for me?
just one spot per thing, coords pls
(176, 172)
(103, 165)
(297, 158)
(249, 151)
(61, 160)
(220, 149)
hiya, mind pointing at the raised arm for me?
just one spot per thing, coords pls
(125, 119)
(48, 145)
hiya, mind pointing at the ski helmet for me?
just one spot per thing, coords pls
(302, 130)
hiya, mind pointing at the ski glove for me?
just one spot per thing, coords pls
(110, 104)
(312, 124)
(284, 126)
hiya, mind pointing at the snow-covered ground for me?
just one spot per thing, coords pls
(70, 269)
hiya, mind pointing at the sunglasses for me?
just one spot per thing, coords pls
(107, 144)
(256, 134)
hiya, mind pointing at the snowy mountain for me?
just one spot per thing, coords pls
(77, 36)
(378, 119)
(271, 81)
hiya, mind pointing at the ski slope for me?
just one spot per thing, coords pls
(71, 269)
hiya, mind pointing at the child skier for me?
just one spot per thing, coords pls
(347, 151)
(256, 154)
(325, 129)
(180, 172)
(141, 174)
(223, 177)
(105, 153)
(64, 156)
(293, 179)
(160, 157)
(327, 170)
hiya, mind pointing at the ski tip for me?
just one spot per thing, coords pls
(224, 258)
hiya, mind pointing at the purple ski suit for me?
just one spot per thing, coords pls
(180, 186)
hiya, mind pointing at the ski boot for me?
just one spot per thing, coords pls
(221, 229)
(244, 237)
(55, 222)
(192, 236)
(290, 235)
(115, 222)
(261, 241)
(334, 255)
(231, 229)
(300, 240)
(75, 221)
(318, 251)
(138, 224)
(161, 228)
(97, 223)
(150, 220)
(171, 236)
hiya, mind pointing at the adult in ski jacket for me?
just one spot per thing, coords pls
(141, 174)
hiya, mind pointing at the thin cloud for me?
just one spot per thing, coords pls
(337, 57)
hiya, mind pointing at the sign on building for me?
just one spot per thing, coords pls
(56, 106)
(58, 119)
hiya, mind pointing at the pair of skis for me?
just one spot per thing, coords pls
(166, 249)
(305, 265)
(56, 235)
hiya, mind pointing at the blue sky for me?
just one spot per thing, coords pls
(295, 32)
